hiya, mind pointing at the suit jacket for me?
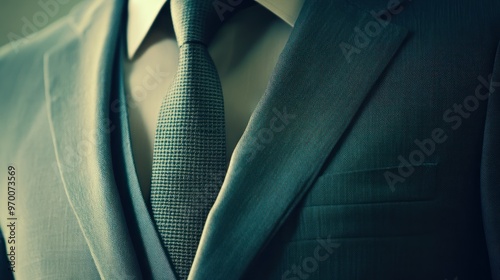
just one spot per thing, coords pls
(372, 155)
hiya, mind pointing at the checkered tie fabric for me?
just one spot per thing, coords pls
(189, 160)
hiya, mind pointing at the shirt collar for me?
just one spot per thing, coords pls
(142, 14)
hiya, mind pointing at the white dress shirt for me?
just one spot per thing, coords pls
(245, 51)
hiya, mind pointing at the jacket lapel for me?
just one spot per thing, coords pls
(77, 81)
(322, 77)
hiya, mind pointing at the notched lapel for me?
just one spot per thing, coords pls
(77, 78)
(323, 75)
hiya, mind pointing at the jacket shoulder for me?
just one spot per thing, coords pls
(41, 41)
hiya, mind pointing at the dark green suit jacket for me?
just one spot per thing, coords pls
(372, 155)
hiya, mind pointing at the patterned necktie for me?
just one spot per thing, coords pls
(189, 160)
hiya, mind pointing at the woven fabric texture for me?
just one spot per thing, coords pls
(189, 160)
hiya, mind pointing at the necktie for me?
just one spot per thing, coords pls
(189, 159)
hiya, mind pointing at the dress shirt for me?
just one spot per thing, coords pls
(245, 51)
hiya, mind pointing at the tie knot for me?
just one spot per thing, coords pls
(194, 20)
